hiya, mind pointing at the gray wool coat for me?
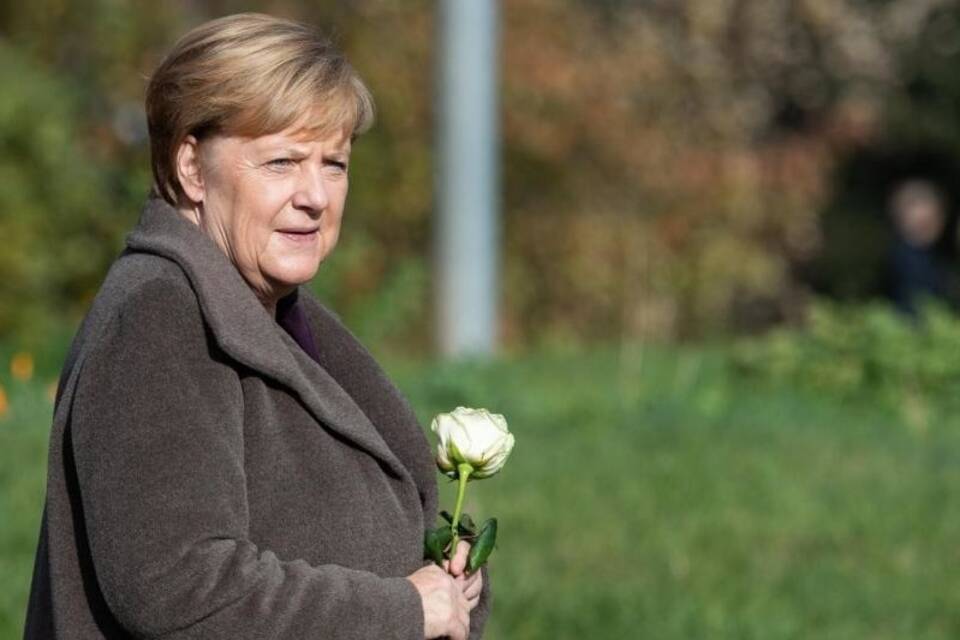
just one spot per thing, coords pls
(209, 479)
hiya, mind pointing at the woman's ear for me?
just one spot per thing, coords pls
(189, 172)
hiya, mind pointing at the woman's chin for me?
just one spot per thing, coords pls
(295, 274)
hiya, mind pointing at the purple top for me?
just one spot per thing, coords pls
(291, 317)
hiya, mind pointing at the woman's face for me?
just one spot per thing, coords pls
(274, 203)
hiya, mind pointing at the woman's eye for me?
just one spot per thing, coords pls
(280, 163)
(337, 164)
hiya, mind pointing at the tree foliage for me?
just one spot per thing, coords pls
(666, 164)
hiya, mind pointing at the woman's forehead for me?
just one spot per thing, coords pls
(338, 138)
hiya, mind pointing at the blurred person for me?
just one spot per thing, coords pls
(917, 212)
(226, 460)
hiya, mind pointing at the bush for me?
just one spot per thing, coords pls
(854, 350)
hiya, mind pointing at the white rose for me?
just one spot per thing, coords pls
(472, 436)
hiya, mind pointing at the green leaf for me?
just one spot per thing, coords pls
(435, 542)
(483, 545)
(467, 526)
(431, 547)
(445, 536)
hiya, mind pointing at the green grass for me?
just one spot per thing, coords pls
(23, 463)
(654, 494)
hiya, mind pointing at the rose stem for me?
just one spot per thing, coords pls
(463, 474)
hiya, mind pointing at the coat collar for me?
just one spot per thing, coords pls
(244, 330)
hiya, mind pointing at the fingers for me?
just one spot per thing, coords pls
(458, 563)
(446, 609)
(469, 581)
(459, 628)
(471, 585)
(464, 620)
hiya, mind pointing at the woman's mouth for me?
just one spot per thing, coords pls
(299, 236)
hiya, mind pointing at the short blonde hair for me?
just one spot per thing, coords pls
(249, 74)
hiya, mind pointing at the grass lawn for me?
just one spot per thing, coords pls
(654, 494)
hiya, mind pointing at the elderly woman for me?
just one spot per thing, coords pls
(226, 460)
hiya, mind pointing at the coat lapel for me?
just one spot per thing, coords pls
(246, 332)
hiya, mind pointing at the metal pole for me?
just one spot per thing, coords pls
(467, 177)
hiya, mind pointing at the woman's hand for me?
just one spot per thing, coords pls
(446, 610)
(470, 583)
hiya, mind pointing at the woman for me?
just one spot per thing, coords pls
(226, 461)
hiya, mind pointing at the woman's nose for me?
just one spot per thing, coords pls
(311, 194)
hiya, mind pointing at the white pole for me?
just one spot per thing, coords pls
(467, 177)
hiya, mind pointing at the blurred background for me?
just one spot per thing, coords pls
(727, 279)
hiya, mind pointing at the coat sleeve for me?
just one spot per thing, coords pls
(158, 444)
